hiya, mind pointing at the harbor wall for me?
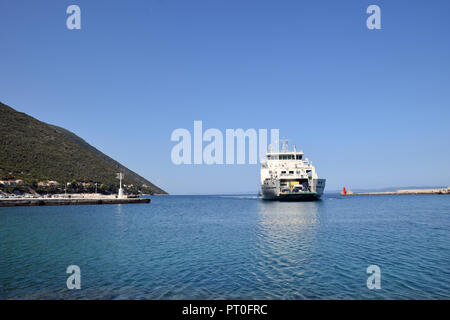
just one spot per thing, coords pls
(21, 202)
(402, 192)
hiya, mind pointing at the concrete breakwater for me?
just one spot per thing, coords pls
(400, 192)
(25, 202)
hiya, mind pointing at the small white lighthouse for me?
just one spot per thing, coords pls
(120, 176)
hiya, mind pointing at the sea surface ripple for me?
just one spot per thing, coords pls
(230, 247)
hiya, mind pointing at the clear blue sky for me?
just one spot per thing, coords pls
(371, 108)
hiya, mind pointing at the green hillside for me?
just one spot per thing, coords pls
(35, 151)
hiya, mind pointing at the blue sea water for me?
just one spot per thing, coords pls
(230, 247)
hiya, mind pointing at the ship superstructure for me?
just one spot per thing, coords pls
(288, 176)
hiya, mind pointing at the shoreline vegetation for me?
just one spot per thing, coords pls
(38, 159)
(45, 189)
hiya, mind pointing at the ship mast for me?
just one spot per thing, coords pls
(284, 143)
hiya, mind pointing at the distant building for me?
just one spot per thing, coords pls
(47, 183)
(11, 182)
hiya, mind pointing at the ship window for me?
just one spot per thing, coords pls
(299, 157)
(297, 172)
(291, 172)
(283, 172)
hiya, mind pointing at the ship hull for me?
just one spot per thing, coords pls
(306, 196)
(271, 191)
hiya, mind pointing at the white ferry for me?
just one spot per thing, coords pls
(287, 176)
